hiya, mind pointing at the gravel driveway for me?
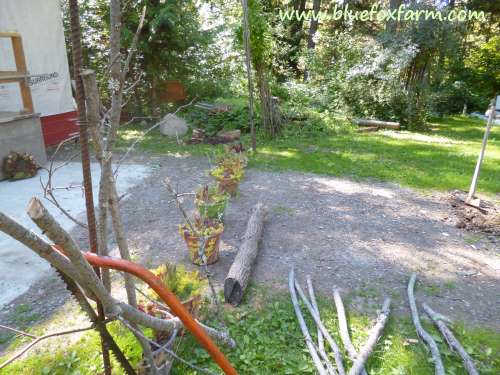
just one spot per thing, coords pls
(366, 238)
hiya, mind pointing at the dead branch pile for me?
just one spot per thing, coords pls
(317, 350)
(359, 358)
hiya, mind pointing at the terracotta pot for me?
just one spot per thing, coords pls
(228, 185)
(211, 246)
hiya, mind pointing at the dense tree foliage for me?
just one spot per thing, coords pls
(404, 70)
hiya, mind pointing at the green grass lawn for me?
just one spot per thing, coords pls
(442, 159)
(270, 342)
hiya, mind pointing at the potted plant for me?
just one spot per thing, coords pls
(232, 160)
(188, 286)
(210, 202)
(195, 231)
(227, 179)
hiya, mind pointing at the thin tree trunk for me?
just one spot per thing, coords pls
(248, 63)
(313, 27)
(76, 50)
(93, 114)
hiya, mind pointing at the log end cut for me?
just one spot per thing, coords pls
(233, 292)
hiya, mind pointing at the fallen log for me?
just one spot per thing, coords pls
(421, 332)
(380, 124)
(239, 273)
(375, 333)
(450, 338)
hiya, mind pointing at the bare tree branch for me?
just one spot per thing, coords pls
(375, 333)
(336, 351)
(422, 333)
(303, 327)
(38, 340)
(452, 341)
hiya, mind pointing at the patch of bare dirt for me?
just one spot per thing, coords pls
(485, 217)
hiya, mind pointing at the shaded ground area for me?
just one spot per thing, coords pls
(365, 238)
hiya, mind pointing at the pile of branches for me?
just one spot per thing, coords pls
(318, 350)
(325, 347)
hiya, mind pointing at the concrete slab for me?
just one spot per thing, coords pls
(20, 268)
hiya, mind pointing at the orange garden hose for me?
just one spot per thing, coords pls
(168, 297)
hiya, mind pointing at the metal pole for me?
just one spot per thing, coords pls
(473, 185)
(87, 177)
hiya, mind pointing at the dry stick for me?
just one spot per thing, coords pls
(373, 337)
(48, 190)
(336, 351)
(343, 328)
(120, 236)
(452, 341)
(41, 338)
(426, 338)
(44, 220)
(321, 340)
(303, 326)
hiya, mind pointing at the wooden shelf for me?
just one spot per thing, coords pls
(7, 77)
(20, 75)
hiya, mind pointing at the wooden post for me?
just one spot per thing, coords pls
(473, 185)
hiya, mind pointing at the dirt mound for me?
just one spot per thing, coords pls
(485, 218)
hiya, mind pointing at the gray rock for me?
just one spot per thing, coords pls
(173, 126)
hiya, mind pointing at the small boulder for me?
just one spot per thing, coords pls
(173, 126)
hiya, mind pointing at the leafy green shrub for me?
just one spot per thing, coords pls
(184, 284)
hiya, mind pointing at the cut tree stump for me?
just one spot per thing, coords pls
(379, 124)
(239, 273)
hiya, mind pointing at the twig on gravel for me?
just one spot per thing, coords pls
(423, 334)
(321, 340)
(302, 324)
(450, 338)
(343, 328)
(336, 351)
(373, 337)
